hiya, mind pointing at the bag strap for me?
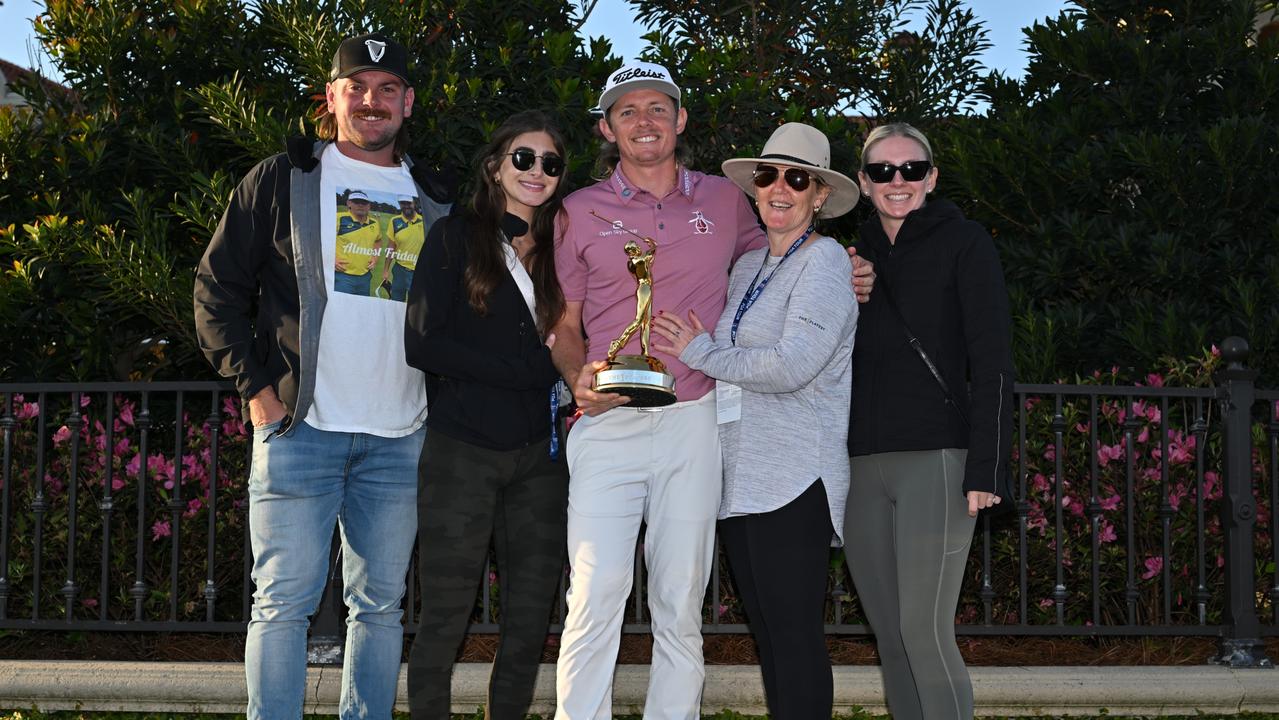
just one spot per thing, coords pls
(918, 347)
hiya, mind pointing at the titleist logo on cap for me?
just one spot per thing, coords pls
(638, 73)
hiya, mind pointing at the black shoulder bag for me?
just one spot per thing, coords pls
(918, 347)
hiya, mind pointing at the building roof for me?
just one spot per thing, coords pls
(9, 72)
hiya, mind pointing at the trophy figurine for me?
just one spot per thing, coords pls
(642, 378)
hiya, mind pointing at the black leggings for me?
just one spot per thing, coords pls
(779, 562)
(467, 494)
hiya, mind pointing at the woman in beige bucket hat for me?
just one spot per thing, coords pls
(781, 355)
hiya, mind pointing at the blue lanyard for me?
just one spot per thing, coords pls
(753, 292)
(555, 413)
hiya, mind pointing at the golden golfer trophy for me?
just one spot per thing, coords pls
(642, 378)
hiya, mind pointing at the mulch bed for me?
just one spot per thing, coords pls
(637, 649)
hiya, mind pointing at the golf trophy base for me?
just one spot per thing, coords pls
(641, 378)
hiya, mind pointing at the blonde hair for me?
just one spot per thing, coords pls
(899, 129)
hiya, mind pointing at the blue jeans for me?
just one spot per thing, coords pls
(401, 279)
(300, 485)
(351, 284)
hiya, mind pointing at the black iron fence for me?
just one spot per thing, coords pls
(1140, 510)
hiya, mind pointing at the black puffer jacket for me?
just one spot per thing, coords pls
(945, 277)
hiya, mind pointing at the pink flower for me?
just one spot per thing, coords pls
(1154, 566)
(1039, 483)
(1144, 435)
(1075, 506)
(1081, 428)
(61, 435)
(723, 610)
(1216, 351)
(231, 406)
(125, 417)
(134, 465)
(26, 410)
(84, 401)
(160, 529)
(1155, 380)
(1181, 453)
(1153, 414)
(90, 603)
(117, 483)
(1046, 603)
(194, 505)
(1110, 503)
(161, 470)
(1106, 453)
(1050, 453)
(1107, 533)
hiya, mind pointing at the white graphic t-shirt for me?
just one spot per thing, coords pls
(362, 383)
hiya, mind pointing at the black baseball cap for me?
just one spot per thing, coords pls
(374, 51)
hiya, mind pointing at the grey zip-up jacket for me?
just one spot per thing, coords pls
(259, 289)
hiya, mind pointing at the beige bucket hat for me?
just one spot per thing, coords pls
(802, 146)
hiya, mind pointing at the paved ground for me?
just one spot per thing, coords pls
(219, 687)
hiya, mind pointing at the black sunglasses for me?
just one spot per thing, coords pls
(766, 175)
(524, 158)
(912, 171)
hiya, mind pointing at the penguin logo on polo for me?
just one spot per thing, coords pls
(701, 226)
(377, 49)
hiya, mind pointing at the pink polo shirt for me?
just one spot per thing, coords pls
(701, 227)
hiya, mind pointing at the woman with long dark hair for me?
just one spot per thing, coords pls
(483, 298)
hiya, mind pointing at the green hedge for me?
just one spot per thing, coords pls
(1128, 179)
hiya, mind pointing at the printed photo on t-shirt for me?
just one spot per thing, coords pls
(379, 236)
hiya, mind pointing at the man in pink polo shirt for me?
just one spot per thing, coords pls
(660, 466)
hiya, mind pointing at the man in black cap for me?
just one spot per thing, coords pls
(337, 414)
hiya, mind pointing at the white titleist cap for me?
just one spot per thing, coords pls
(632, 76)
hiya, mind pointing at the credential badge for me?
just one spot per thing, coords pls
(377, 49)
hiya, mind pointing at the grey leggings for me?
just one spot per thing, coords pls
(907, 534)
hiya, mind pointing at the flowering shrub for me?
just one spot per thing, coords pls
(128, 478)
(1115, 479)
(1121, 482)
(1153, 455)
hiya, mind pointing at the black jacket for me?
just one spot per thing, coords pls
(488, 378)
(945, 277)
(250, 288)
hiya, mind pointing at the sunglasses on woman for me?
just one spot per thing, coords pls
(766, 175)
(523, 159)
(912, 171)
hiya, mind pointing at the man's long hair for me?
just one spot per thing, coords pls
(486, 262)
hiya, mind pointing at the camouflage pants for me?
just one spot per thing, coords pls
(467, 495)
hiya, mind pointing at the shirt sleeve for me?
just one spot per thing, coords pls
(433, 300)
(570, 266)
(819, 313)
(227, 282)
(983, 301)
